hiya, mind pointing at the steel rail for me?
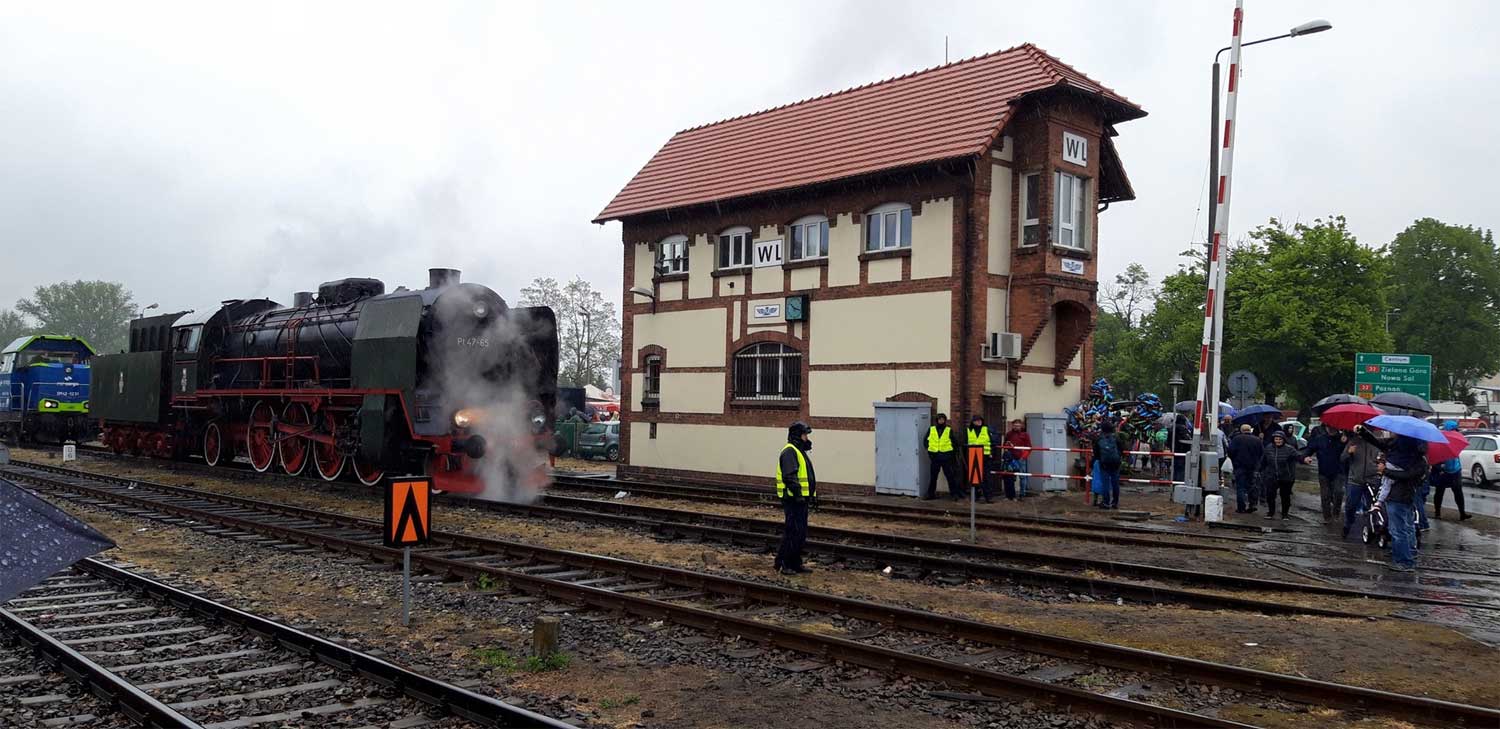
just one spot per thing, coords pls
(924, 554)
(466, 704)
(1298, 688)
(874, 657)
(134, 703)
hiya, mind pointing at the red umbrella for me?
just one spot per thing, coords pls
(1345, 417)
(1439, 452)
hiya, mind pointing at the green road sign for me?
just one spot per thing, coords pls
(1375, 373)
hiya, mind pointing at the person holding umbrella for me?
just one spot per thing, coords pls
(1360, 458)
(1449, 475)
(1404, 468)
(1326, 444)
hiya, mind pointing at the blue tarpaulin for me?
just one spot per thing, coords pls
(38, 539)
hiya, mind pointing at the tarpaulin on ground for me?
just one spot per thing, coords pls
(38, 539)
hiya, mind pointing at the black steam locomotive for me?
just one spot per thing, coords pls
(445, 381)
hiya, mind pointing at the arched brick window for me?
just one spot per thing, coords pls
(768, 371)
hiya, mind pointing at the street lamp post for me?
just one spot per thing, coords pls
(1201, 471)
(1388, 315)
(1175, 382)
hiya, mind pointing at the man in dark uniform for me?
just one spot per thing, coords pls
(797, 488)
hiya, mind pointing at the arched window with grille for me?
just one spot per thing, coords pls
(768, 371)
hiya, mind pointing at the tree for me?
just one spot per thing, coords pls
(1300, 303)
(588, 330)
(13, 325)
(98, 311)
(1129, 297)
(1447, 291)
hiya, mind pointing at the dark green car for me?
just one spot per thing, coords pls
(600, 440)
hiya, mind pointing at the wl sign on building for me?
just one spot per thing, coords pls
(1376, 373)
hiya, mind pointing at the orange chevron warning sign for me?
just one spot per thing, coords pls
(976, 465)
(408, 515)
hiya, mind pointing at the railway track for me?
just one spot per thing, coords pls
(1072, 675)
(921, 557)
(99, 645)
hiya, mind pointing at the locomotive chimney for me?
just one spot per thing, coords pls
(302, 298)
(440, 277)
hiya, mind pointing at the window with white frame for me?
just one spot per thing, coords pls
(809, 238)
(651, 380)
(888, 227)
(672, 255)
(1031, 208)
(1072, 197)
(767, 371)
(734, 247)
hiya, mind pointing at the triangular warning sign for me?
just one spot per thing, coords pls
(976, 465)
(408, 518)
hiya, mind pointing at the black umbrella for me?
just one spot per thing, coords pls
(1252, 414)
(38, 539)
(1340, 399)
(1402, 403)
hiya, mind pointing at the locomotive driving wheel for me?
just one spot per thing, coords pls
(295, 448)
(260, 437)
(213, 444)
(326, 457)
(367, 474)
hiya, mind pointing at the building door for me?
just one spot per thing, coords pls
(899, 461)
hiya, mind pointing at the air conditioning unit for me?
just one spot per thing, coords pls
(1004, 345)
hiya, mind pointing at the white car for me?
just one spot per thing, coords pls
(1481, 459)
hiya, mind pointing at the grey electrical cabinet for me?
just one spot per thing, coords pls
(1048, 430)
(900, 459)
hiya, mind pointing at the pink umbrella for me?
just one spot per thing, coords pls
(1345, 417)
(1439, 452)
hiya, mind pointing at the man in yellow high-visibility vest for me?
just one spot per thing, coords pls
(979, 435)
(940, 457)
(797, 487)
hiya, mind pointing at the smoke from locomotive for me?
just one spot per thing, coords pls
(445, 381)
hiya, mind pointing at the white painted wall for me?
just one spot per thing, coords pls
(850, 394)
(876, 329)
(692, 338)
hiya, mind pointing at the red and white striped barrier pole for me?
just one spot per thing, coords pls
(1206, 409)
(1070, 477)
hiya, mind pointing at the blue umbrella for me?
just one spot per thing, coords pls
(1408, 426)
(38, 539)
(1253, 413)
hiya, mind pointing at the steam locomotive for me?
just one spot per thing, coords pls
(446, 381)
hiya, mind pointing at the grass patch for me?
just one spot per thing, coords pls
(630, 700)
(503, 660)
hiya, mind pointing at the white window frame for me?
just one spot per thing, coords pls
(881, 221)
(1030, 180)
(1075, 189)
(807, 239)
(672, 255)
(734, 246)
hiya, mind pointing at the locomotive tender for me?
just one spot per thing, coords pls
(409, 382)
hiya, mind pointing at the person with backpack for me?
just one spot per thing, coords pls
(1107, 455)
(1448, 475)
(1279, 464)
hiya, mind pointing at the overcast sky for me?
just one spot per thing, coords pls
(197, 153)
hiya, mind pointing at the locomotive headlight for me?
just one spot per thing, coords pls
(465, 418)
(49, 405)
(538, 419)
(481, 311)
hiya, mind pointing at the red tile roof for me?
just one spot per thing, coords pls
(950, 111)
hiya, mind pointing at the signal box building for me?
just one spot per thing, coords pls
(930, 238)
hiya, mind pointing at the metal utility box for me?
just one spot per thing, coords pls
(128, 388)
(1048, 430)
(900, 464)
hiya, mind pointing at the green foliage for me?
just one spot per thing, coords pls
(496, 658)
(487, 583)
(1446, 285)
(98, 311)
(588, 329)
(14, 325)
(503, 660)
(1300, 303)
(550, 662)
(630, 700)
